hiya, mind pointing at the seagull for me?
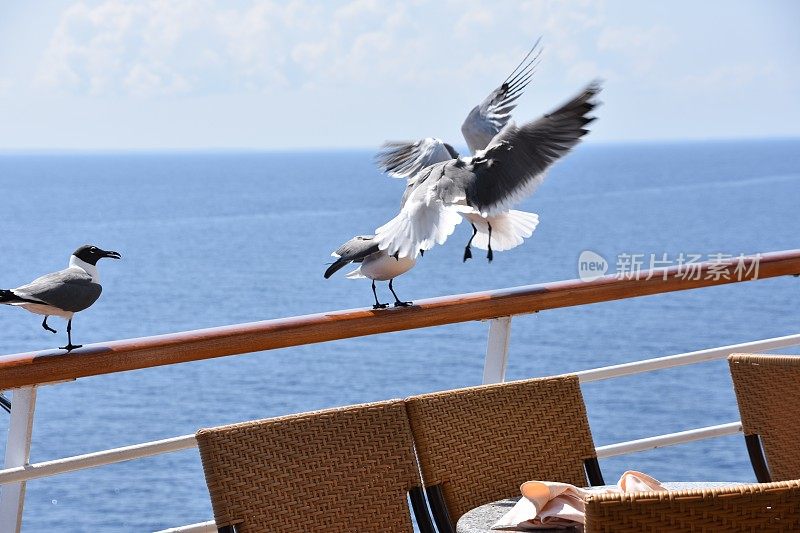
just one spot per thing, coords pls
(502, 231)
(487, 184)
(62, 293)
(375, 265)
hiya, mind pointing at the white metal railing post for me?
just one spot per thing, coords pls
(494, 366)
(18, 453)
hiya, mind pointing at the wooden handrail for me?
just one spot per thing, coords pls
(24, 369)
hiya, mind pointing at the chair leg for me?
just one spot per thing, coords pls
(757, 459)
(420, 508)
(439, 509)
(593, 472)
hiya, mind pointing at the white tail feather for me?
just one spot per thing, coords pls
(509, 229)
(355, 274)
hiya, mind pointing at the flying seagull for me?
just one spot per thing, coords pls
(486, 184)
(375, 265)
(62, 293)
(504, 230)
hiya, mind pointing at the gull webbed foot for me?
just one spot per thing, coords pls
(69, 347)
(397, 301)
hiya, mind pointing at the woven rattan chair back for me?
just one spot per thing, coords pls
(768, 393)
(343, 470)
(772, 507)
(477, 445)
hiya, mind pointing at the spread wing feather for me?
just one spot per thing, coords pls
(488, 118)
(423, 222)
(405, 159)
(513, 165)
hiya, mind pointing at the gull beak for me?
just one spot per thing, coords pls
(112, 255)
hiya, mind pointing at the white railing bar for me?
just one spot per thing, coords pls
(670, 361)
(102, 458)
(670, 439)
(200, 527)
(496, 360)
(147, 449)
(18, 453)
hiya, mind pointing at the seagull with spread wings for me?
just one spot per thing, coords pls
(502, 231)
(487, 184)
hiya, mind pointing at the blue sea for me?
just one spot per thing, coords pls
(210, 239)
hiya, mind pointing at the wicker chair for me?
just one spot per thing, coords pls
(477, 445)
(768, 393)
(769, 507)
(343, 470)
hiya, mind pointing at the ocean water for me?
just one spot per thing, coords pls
(219, 238)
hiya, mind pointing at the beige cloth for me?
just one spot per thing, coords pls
(547, 504)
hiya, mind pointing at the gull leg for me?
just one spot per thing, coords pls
(45, 326)
(467, 250)
(377, 305)
(397, 302)
(69, 347)
(490, 254)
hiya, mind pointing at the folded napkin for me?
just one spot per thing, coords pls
(552, 505)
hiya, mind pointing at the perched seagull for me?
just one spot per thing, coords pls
(65, 292)
(502, 231)
(487, 184)
(375, 265)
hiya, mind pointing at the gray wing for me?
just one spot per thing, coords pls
(405, 159)
(489, 117)
(353, 251)
(70, 290)
(514, 163)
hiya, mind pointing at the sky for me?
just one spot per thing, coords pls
(270, 75)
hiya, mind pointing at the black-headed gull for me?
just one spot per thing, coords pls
(62, 293)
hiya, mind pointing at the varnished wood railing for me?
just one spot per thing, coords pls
(27, 369)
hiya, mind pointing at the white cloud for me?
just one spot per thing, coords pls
(145, 80)
(155, 47)
(383, 68)
(727, 76)
(474, 19)
(643, 47)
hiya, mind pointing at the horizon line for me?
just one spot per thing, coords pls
(322, 149)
